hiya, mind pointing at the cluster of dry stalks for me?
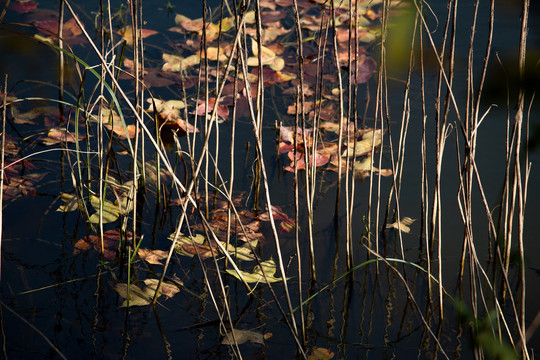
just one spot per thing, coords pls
(490, 289)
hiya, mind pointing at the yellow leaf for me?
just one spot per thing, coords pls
(403, 225)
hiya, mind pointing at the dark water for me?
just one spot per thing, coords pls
(70, 299)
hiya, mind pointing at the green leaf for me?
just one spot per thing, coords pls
(110, 211)
(71, 203)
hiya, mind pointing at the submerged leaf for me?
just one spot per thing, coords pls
(243, 336)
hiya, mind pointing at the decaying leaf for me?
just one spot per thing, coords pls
(362, 168)
(177, 63)
(112, 121)
(268, 57)
(402, 225)
(320, 354)
(269, 268)
(243, 336)
(110, 243)
(23, 6)
(135, 296)
(169, 114)
(70, 203)
(57, 136)
(195, 245)
(167, 289)
(369, 140)
(152, 256)
(243, 252)
(110, 211)
(127, 34)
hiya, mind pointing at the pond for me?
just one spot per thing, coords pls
(412, 232)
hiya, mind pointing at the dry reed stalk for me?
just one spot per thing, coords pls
(2, 162)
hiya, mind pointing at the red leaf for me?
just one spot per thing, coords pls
(22, 6)
(222, 110)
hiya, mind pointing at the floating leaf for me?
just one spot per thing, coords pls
(23, 6)
(177, 63)
(222, 110)
(70, 203)
(136, 296)
(243, 252)
(167, 289)
(169, 115)
(268, 57)
(320, 354)
(152, 256)
(57, 136)
(369, 140)
(188, 24)
(362, 168)
(127, 34)
(243, 336)
(194, 245)
(365, 69)
(403, 225)
(81, 245)
(269, 268)
(110, 211)
(111, 239)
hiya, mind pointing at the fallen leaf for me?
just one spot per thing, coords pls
(269, 268)
(134, 295)
(320, 354)
(110, 211)
(127, 34)
(111, 239)
(152, 256)
(369, 141)
(23, 6)
(222, 110)
(70, 203)
(177, 63)
(57, 136)
(167, 289)
(243, 336)
(362, 168)
(402, 225)
(268, 57)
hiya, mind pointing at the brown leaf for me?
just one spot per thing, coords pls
(57, 136)
(152, 256)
